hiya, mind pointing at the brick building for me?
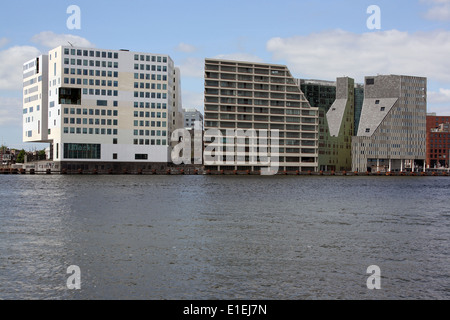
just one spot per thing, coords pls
(438, 141)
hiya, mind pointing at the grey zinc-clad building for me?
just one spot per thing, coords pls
(392, 128)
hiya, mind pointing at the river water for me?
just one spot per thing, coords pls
(224, 237)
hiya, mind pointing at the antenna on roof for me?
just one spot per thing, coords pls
(70, 43)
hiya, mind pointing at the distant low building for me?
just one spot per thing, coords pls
(193, 119)
(5, 156)
(438, 141)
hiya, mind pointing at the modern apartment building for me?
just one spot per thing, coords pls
(438, 141)
(193, 119)
(335, 138)
(343, 98)
(258, 96)
(319, 93)
(359, 100)
(102, 108)
(392, 128)
(35, 100)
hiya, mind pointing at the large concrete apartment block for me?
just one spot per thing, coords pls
(102, 108)
(246, 95)
(392, 128)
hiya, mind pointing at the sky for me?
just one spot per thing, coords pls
(315, 39)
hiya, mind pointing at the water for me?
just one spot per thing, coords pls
(224, 237)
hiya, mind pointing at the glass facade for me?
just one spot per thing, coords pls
(82, 151)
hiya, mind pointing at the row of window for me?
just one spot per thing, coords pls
(149, 58)
(31, 109)
(97, 131)
(91, 112)
(147, 114)
(91, 73)
(149, 67)
(154, 86)
(98, 92)
(32, 81)
(157, 124)
(91, 53)
(439, 151)
(150, 76)
(91, 121)
(149, 142)
(248, 125)
(152, 115)
(92, 82)
(153, 105)
(440, 135)
(153, 133)
(439, 145)
(153, 95)
(91, 63)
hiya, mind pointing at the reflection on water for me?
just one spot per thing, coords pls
(224, 237)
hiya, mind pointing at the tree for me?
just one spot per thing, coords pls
(21, 156)
(42, 155)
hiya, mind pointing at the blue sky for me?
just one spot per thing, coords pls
(315, 39)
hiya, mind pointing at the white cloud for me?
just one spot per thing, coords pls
(192, 67)
(13, 58)
(193, 100)
(440, 10)
(10, 111)
(52, 40)
(3, 42)
(11, 67)
(187, 48)
(443, 96)
(336, 53)
(439, 13)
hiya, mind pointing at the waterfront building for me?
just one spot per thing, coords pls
(102, 108)
(359, 99)
(336, 103)
(438, 141)
(247, 95)
(392, 128)
(193, 119)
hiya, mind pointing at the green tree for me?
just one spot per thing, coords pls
(21, 156)
(42, 155)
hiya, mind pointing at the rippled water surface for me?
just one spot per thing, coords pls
(224, 237)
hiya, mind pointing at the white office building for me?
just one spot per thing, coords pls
(193, 119)
(102, 108)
